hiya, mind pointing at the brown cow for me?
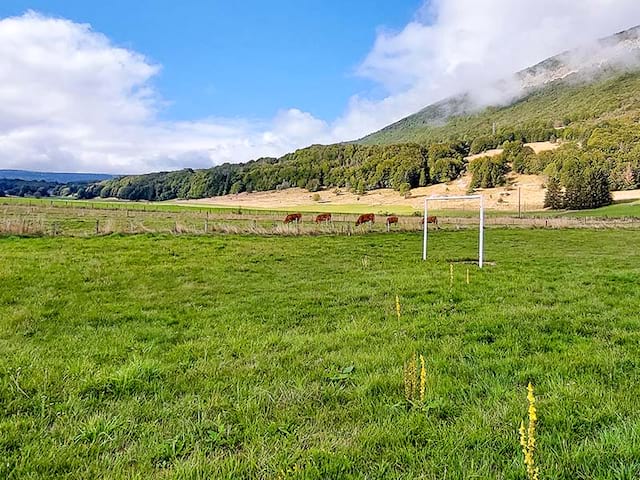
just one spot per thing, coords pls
(323, 217)
(293, 217)
(365, 218)
(430, 219)
(391, 219)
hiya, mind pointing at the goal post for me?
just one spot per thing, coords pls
(425, 240)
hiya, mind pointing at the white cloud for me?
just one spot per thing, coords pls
(72, 100)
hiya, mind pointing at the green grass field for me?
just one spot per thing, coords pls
(617, 210)
(138, 357)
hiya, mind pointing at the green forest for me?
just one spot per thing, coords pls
(39, 188)
(351, 166)
(597, 124)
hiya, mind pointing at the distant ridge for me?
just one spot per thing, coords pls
(54, 176)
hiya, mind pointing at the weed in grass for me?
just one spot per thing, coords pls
(414, 380)
(409, 374)
(528, 436)
(398, 306)
(343, 374)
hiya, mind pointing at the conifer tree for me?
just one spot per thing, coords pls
(574, 192)
(600, 194)
(422, 182)
(553, 198)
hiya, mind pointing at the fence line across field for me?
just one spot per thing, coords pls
(425, 240)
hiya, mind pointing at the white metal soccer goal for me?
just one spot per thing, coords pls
(454, 197)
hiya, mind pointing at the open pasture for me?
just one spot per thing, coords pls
(162, 356)
(83, 218)
(86, 219)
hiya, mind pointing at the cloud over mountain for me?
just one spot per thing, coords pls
(454, 46)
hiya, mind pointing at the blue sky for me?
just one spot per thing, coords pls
(242, 58)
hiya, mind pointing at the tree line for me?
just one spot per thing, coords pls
(356, 167)
(38, 188)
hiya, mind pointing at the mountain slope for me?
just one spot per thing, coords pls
(563, 88)
(556, 105)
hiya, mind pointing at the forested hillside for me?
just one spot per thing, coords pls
(562, 109)
(342, 165)
(584, 84)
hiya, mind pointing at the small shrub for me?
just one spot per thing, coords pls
(313, 185)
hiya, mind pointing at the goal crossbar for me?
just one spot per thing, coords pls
(454, 197)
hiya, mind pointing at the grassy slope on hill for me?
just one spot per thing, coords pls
(580, 103)
(163, 357)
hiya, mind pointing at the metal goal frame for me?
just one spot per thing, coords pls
(425, 240)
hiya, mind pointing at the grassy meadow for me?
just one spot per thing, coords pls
(238, 356)
(55, 217)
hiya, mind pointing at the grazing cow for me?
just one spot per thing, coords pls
(365, 218)
(391, 219)
(293, 217)
(431, 219)
(323, 217)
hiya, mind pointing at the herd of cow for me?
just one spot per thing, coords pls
(362, 219)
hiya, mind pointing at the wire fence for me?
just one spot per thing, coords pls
(43, 219)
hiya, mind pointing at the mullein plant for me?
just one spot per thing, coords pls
(528, 436)
(410, 378)
(398, 306)
(415, 381)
